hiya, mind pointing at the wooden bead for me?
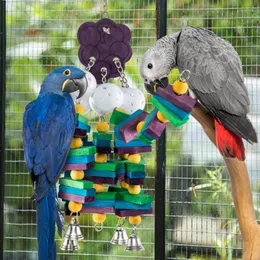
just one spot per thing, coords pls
(77, 175)
(134, 189)
(76, 143)
(79, 109)
(134, 158)
(98, 187)
(135, 220)
(162, 118)
(124, 156)
(102, 127)
(74, 206)
(180, 87)
(98, 218)
(100, 157)
(139, 126)
(124, 185)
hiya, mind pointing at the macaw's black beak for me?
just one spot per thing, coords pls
(72, 85)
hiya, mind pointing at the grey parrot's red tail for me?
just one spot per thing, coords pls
(228, 143)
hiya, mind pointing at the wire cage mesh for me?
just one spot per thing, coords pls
(200, 217)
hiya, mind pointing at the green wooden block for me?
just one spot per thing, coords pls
(143, 138)
(82, 119)
(108, 166)
(136, 199)
(135, 167)
(82, 184)
(105, 196)
(174, 120)
(117, 117)
(102, 136)
(83, 151)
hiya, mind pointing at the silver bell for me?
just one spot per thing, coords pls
(134, 242)
(120, 237)
(79, 235)
(66, 245)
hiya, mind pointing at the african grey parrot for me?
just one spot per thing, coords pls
(216, 78)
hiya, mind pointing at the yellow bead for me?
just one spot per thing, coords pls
(134, 158)
(139, 126)
(100, 157)
(76, 143)
(77, 175)
(74, 206)
(98, 218)
(135, 220)
(121, 110)
(134, 189)
(102, 127)
(124, 156)
(79, 109)
(161, 117)
(124, 185)
(98, 187)
(180, 87)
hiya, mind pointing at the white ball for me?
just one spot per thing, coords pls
(84, 100)
(105, 98)
(133, 100)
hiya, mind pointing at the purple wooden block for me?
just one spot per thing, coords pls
(184, 101)
(128, 131)
(78, 167)
(103, 149)
(100, 210)
(79, 133)
(133, 150)
(100, 180)
(76, 198)
(120, 177)
(155, 127)
(134, 181)
(127, 212)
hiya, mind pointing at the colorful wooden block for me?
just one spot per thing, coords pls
(100, 173)
(106, 196)
(81, 118)
(133, 143)
(80, 159)
(102, 136)
(128, 205)
(80, 125)
(134, 181)
(78, 166)
(108, 166)
(174, 120)
(102, 143)
(101, 180)
(127, 213)
(133, 150)
(136, 199)
(184, 101)
(136, 175)
(82, 184)
(135, 166)
(75, 198)
(117, 117)
(101, 210)
(106, 150)
(126, 130)
(83, 151)
(116, 189)
(120, 177)
(77, 191)
(181, 114)
(102, 203)
(80, 133)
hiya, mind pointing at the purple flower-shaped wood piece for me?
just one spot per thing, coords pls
(104, 40)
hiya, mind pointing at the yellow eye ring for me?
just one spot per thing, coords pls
(67, 72)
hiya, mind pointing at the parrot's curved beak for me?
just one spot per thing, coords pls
(72, 85)
(152, 85)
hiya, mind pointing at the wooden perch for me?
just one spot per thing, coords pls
(241, 191)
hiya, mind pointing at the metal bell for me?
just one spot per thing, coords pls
(67, 245)
(75, 244)
(78, 232)
(134, 242)
(120, 237)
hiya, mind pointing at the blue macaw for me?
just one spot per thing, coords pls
(48, 128)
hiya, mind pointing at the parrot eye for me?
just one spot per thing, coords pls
(150, 66)
(67, 72)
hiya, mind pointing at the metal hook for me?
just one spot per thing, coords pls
(182, 77)
(120, 221)
(98, 228)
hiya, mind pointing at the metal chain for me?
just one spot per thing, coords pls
(105, 7)
(120, 70)
(91, 63)
(104, 74)
(184, 78)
